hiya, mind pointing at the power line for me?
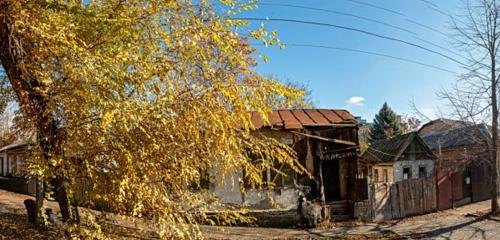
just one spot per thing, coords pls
(441, 47)
(376, 6)
(338, 13)
(365, 18)
(427, 27)
(353, 30)
(430, 3)
(369, 53)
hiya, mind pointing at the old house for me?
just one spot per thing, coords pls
(401, 178)
(462, 166)
(326, 144)
(12, 169)
(399, 158)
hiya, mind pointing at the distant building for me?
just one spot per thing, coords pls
(12, 159)
(13, 170)
(462, 168)
(398, 158)
(363, 129)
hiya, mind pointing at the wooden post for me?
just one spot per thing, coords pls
(321, 186)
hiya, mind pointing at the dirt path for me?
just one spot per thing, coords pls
(14, 203)
(449, 224)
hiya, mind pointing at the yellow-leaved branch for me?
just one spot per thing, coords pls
(135, 97)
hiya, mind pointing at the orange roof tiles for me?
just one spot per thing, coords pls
(300, 118)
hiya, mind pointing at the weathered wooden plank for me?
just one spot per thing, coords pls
(387, 203)
(428, 190)
(414, 191)
(401, 199)
(420, 194)
(410, 197)
(395, 201)
(434, 194)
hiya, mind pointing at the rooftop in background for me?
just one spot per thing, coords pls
(446, 133)
(301, 118)
(440, 124)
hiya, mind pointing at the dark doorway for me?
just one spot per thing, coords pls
(331, 180)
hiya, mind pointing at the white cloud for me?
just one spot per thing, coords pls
(355, 101)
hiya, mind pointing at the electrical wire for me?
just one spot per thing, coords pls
(370, 20)
(353, 30)
(338, 13)
(369, 53)
(376, 7)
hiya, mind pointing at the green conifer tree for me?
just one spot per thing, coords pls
(386, 124)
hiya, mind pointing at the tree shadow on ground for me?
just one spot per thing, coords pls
(447, 232)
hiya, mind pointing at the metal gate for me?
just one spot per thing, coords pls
(445, 195)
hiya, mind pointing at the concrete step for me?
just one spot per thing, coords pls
(338, 218)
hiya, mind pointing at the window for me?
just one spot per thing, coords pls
(406, 173)
(385, 176)
(422, 173)
(284, 178)
(375, 175)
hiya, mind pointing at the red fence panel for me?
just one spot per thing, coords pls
(445, 199)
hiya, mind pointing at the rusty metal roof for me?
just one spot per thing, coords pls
(300, 118)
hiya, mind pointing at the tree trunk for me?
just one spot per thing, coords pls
(40, 194)
(34, 103)
(69, 210)
(494, 132)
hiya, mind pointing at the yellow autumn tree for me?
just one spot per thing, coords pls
(137, 98)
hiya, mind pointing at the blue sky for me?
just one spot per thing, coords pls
(335, 77)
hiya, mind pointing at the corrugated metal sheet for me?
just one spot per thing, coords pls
(300, 118)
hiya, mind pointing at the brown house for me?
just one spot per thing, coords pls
(463, 168)
(326, 144)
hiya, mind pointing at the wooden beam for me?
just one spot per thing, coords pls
(344, 142)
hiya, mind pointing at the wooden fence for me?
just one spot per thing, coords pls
(403, 199)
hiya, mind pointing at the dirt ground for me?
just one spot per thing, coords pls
(15, 226)
(460, 223)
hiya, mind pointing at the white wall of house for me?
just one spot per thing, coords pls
(283, 198)
(227, 188)
(414, 166)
